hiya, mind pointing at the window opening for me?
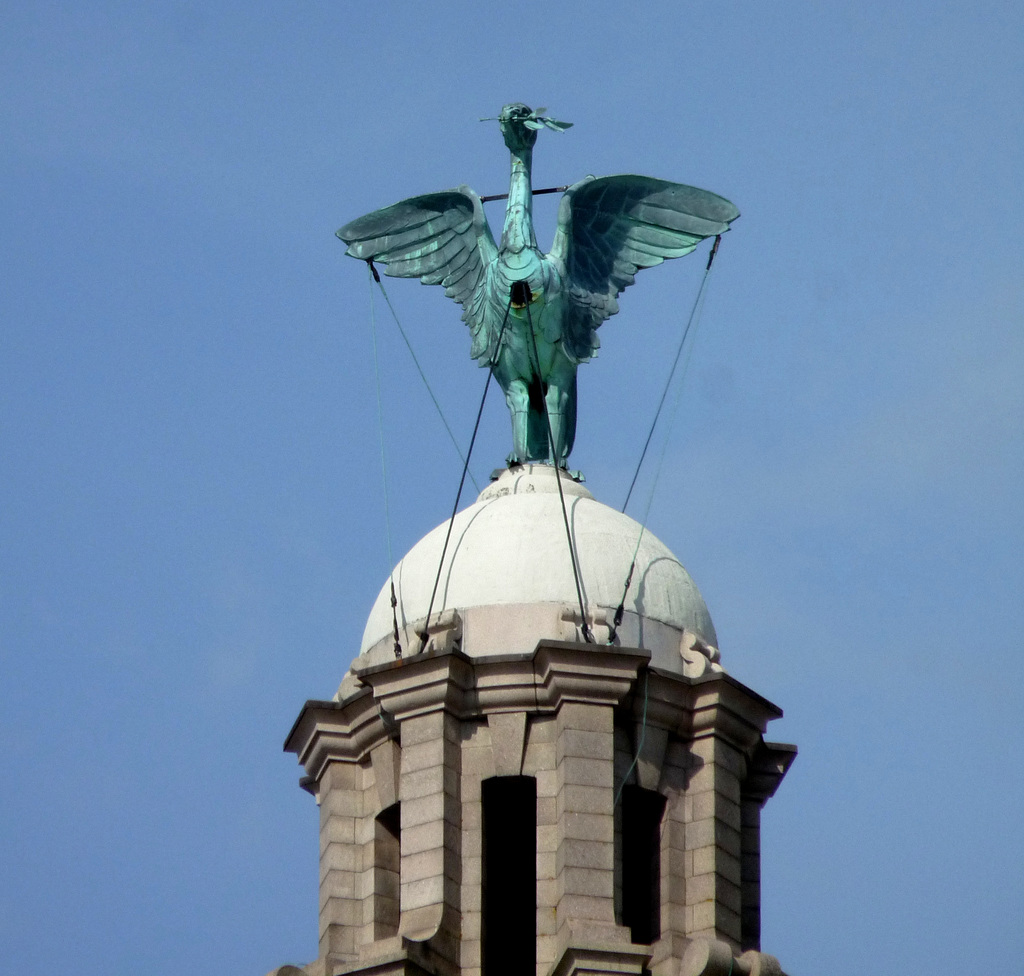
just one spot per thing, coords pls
(642, 811)
(387, 860)
(509, 899)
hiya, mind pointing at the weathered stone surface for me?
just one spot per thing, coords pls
(590, 960)
(711, 957)
(427, 732)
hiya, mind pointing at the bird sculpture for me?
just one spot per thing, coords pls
(534, 317)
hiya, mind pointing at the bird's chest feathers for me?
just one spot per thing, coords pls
(522, 265)
(541, 315)
(528, 265)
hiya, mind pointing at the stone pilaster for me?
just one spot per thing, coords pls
(676, 862)
(431, 824)
(767, 766)
(540, 761)
(712, 838)
(477, 765)
(341, 862)
(584, 859)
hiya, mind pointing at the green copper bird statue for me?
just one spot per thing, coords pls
(533, 316)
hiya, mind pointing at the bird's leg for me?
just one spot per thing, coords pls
(537, 429)
(560, 400)
(517, 396)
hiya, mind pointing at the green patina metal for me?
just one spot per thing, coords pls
(535, 335)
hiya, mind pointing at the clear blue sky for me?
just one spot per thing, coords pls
(191, 527)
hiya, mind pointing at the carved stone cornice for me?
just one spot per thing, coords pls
(728, 709)
(558, 671)
(768, 765)
(593, 673)
(345, 730)
(421, 683)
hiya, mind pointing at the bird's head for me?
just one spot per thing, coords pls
(519, 124)
(513, 121)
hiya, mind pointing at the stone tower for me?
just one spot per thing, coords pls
(513, 799)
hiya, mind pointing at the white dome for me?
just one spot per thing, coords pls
(508, 573)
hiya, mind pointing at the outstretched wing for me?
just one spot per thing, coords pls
(612, 227)
(440, 238)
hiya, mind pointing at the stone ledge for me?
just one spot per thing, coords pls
(602, 959)
(395, 956)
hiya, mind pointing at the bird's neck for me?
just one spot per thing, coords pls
(517, 234)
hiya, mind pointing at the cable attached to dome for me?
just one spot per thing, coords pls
(523, 297)
(698, 302)
(383, 465)
(424, 634)
(419, 368)
(692, 321)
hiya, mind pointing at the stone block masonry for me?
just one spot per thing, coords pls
(399, 769)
